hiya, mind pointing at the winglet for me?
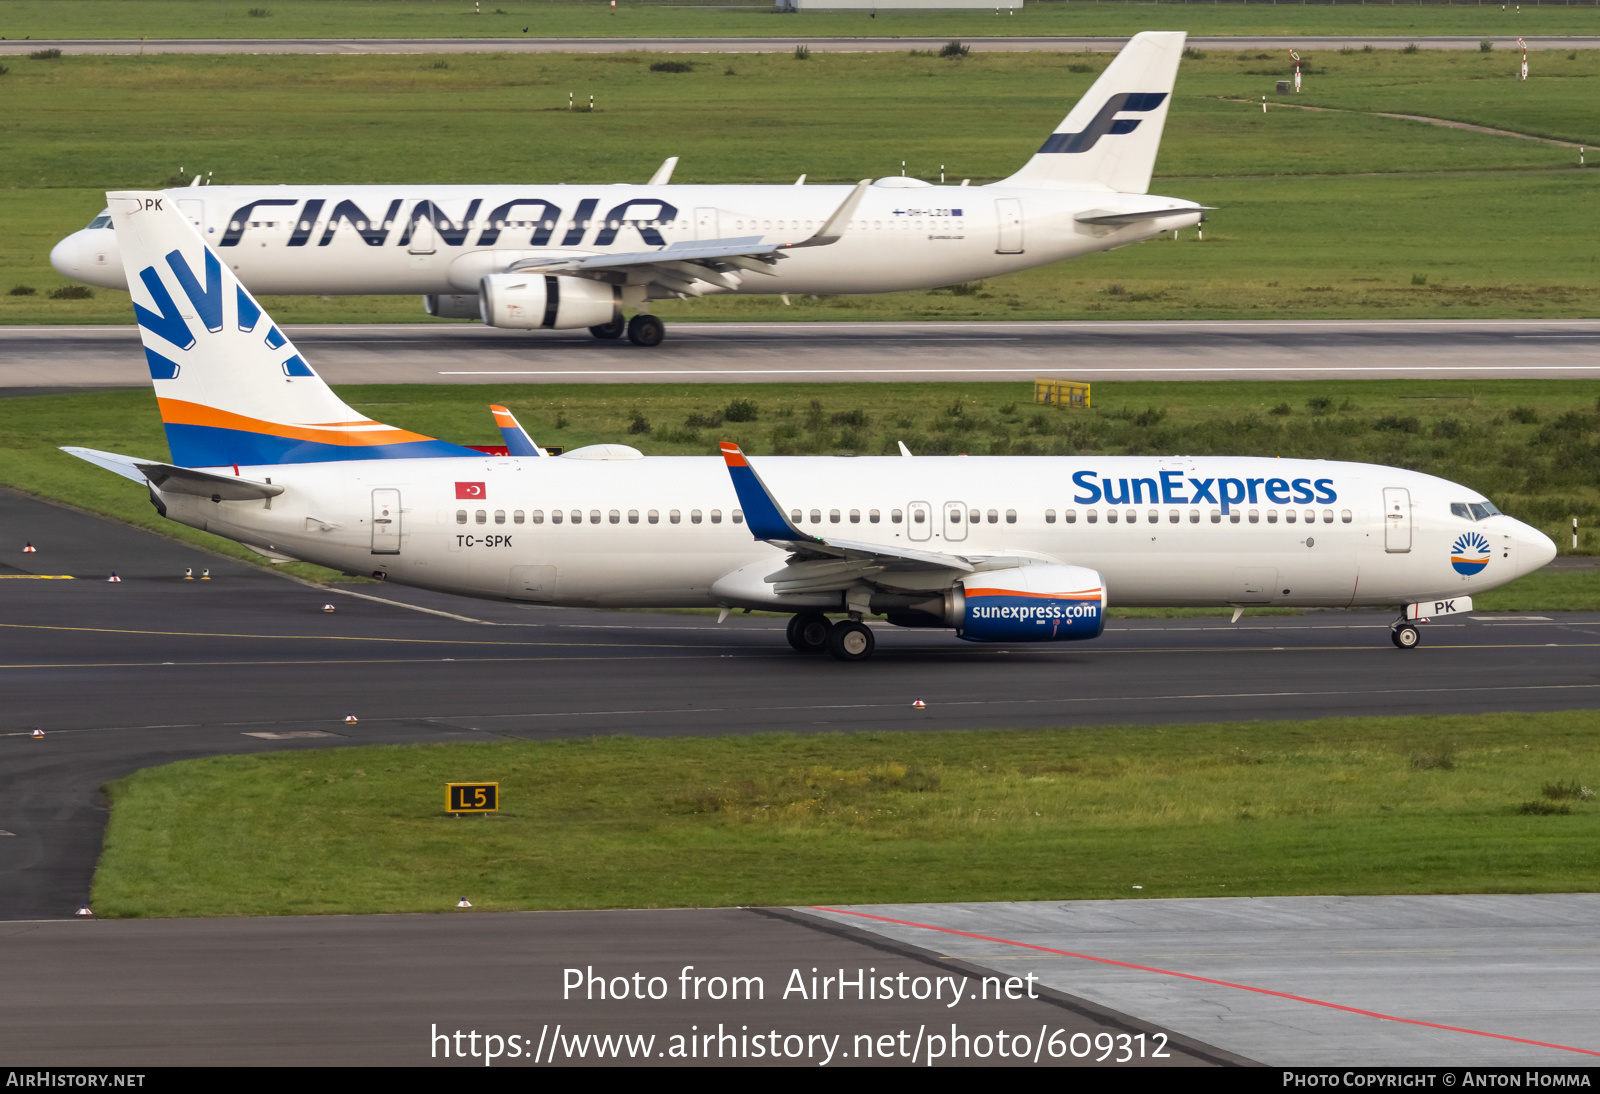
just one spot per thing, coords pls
(834, 229)
(663, 173)
(761, 513)
(518, 443)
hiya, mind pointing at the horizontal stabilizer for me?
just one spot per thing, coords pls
(1118, 218)
(172, 479)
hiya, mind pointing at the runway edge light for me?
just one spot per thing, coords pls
(84, 912)
(919, 705)
(188, 573)
(463, 903)
(349, 719)
(327, 607)
(113, 576)
(37, 733)
(29, 548)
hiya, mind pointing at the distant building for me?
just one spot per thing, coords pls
(896, 5)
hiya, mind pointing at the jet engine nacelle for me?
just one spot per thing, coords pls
(1044, 603)
(534, 301)
(453, 306)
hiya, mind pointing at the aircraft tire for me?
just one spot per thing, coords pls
(1406, 637)
(613, 329)
(808, 632)
(646, 330)
(850, 641)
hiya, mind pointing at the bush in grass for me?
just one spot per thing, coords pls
(1442, 758)
(955, 49)
(259, 13)
(72, 292)
(802, 53)
(741, 410)
(1282, 410)
(22, 290)
(1398, 424)
(639, 424)
(1412, 48)
(45, 55)
(672, 66)
(4, 70)
(1319, 404)
(1485, 46)
(1544, 809)
(1560, 790)
(1524, 414)
(703, 421)
(856, 418)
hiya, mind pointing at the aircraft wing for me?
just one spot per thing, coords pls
(817, 564)
(692, 267)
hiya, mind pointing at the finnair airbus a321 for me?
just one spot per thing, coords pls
(567, 257)
(998, 548)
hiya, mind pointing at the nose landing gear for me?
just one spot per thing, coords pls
(1405, 635)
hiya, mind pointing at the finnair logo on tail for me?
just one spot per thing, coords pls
(1106, 122)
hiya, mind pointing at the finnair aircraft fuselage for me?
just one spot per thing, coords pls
(669, 531)
(438, 240)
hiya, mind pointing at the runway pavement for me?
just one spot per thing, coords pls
(1504, 970)
(786, 44)
(155, 668)
(55, 357)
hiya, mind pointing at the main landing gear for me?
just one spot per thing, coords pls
(1405, 634)
(642, 330)
(846, 640)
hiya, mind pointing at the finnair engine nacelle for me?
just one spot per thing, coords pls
(1045, 603)
(534, 301)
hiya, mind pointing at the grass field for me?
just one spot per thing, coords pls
(1533, 446)
(507, 18)
(1493, 803)
(1320, 213)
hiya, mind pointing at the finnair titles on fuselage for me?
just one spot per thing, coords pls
(567, 257)
(997, 548)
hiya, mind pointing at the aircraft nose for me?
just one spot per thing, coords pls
(92, 256)
(1536, 549)
(68, 255)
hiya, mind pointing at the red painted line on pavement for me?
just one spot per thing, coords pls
(1208, 980)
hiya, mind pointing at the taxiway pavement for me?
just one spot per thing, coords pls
(1505, 970)
(994, 44)
(56, 357)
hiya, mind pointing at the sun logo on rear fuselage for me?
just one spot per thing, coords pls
(1469, 553)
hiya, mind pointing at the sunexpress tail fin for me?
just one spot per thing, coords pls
(518, 443)
(1110, 140)
(231, 387)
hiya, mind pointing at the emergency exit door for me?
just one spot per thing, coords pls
(386, 522)
(1396, 519)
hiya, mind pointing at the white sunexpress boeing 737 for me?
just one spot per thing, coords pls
(999, 548)
(565, 257)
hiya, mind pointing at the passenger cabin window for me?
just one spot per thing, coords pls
(816, 516)
(653, 516)
(1194, 516)
(537, 516)
(855, 516)
(1327, 516)
(1311, 516)
(499, 516)
(738, 516)
(872, 516)
(1049, 516)
(1255, 516)
(1070, 516)
(955, 516)
(616, 517)
(1092, 515)
(675, 517)
(1133, 516)
(1111, 516)
(975, 517)
(694, 516)
(894, 516)
(833, 516)
(461, 516)
(516, 517)
(555, 516)
(716, 516)
(633, 516)
(1288, 516)
(1344, 516)
(1216, 516)
(1154, 516)
(919, 516)
(577, 516)
(594, 516)
(1011, 516)
(994, 516)
(1272, 516)
(481, 517)
(1233, 516)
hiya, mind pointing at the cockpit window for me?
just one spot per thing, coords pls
(1459, 509)
(1476, 510)
(101, 221)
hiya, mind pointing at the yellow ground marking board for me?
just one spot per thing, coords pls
(472, 797)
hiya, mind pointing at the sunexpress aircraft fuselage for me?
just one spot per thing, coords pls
(1007, 549)
(566, 257)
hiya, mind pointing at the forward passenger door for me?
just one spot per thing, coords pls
(1396, 520)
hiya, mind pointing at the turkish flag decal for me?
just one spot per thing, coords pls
(472, 490)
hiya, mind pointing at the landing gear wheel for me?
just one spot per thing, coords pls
(808, 632)
(612, 329)
(646, 330)
(850, 641)
(1405, 636)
